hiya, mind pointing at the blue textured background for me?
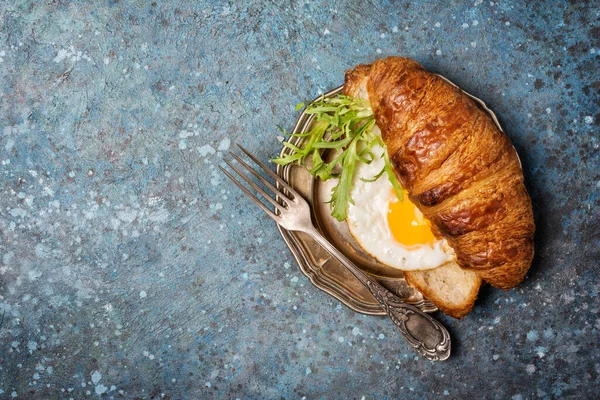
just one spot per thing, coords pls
(131, 268)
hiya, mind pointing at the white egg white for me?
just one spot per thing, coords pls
(367, 221)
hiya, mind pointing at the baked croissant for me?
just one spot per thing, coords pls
(460, 170)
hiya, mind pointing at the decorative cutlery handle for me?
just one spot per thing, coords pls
(425, 334)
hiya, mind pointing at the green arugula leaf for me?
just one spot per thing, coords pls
(392, 177)
(373, 179)
(340, 195)
(342, 124)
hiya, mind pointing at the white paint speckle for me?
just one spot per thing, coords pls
(382, 36)
(507, 23)
(475, 23)
(96, 376)
(548, 110)
(588, 120)
(381, 336)
(438, 52)
(286, 265)
(143, 294)
(473, 44)
(48, 191)
(61, 55)
(32, 346)
(18, 212)
(100, 389)
(378, 51)
(224, 145)
(395, 29)
(215, 179)
(182, 144)
(13, 394)
(495, 357)
(437, 25)
(34, 274)
(341, 339)
(530, 368)
(206, 150)
(308, 371)
(532, 336)
(355, 331)
(71, 54)
(294, 279)
(184, 134)
(326, 32)
(464, 26)
(127, 216)
(541, 351)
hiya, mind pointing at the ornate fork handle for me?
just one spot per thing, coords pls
(425, 334)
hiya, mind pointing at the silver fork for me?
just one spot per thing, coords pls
(425, 334)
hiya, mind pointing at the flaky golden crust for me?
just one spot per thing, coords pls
(460, 170)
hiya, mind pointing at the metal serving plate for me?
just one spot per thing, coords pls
(324, 271)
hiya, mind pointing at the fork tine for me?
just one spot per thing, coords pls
(255, 186)
(253, 197)
(271, 173)
(256, 174)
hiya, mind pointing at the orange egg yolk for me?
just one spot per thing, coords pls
(406, 222)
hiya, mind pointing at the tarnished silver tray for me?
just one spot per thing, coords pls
(324, 271)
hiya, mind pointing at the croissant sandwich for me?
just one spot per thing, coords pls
(462, 173)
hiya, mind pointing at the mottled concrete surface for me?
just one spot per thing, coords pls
(131, 269)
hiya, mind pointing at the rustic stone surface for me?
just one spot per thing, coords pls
(132, 269)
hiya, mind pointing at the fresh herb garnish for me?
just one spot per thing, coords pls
(344, 125)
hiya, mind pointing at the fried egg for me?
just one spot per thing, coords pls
(391, 230)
